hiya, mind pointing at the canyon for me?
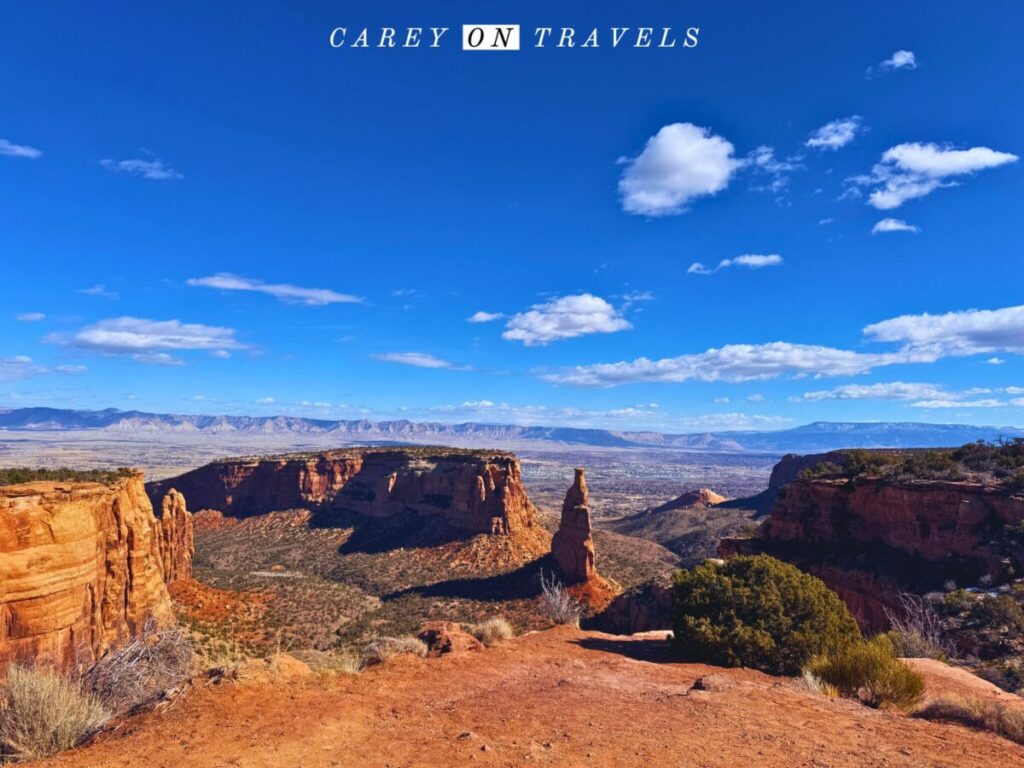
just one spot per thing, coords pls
(85, 566)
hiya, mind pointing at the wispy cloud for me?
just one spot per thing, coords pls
(484, 317)
(100, 290)
(418, 360)
(290, 294)
(763, 163)
(154, 169)
(564, 318)
(30, 317)
(912, 170)
(23, 367)
(9, 149)
(893, 225)
(679, 164)
(748, 260)
(836, 134)
(149, 341)
(893, 390)
(899, 60)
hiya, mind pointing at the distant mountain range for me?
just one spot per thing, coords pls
(819, 436)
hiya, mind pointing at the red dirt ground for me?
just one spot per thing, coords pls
(556, 698)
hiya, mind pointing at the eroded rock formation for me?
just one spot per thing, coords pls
(871, 538)
(83, 567)
(572, 546)
(476, 491)
(176, 542)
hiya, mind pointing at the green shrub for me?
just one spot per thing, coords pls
(956, 601)
(757, 612)
(42, 714)
(16, 475)
(870, 671)
(999, 612)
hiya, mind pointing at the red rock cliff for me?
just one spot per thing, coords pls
(477, 491)
(869, 539)
(82, 567)
(572, 546)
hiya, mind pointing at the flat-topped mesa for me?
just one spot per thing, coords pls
(475, 491)
(572, 546)
(83, 567)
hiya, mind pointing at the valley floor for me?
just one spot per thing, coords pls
(557, 698)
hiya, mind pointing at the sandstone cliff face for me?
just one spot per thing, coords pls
(175, 538)
(572, 546)
(477, 492)
(82, 568)
(869, 539)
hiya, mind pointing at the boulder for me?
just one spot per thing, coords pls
(444, 637)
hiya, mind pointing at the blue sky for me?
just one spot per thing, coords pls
(213, 211)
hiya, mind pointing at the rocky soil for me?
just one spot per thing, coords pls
(556, 698)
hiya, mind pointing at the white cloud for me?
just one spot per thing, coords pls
(721, 400)
(957, 334)
(762, 161)
(290, 294)
(680, 163)
(899, 60)
(894, 390)
(564, 318)
(153, 169)
(9, 149)
(995, 361)
(732, 363)
(100, 290)
(484, 317)
(23, 367)
(749, 260)
(823, 222)
(30, 317)
(912, 170)
(147, 341)
(836, 134)
(987, 403)
(417, 360)
(755, 398)
(266, 401)
(893, 225)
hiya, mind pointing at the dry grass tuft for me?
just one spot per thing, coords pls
(492, 630)
(977, 713)
(870, 672)
(382, 649)
(42, 714)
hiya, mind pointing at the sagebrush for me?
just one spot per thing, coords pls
(871, 672)
(42, 713)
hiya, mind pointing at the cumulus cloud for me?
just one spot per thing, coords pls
(290, 294)
(956, 334)
(417, 360)
(731, 363)
(484, 317)
(912, 170)
(30, 317)
(893, 225)
(899, 60)
(9, 149)
(154, 169)
(748, 260)
(564, 318)
(679, 164)
(149, 341)
(836, 134)
(23, 367)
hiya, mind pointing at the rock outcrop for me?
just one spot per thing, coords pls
(871, 538)
(572, 546)
(475, 491)
(83, 568)
(176, 542)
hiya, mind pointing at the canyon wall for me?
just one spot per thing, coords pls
(476, 491)
(84, 566)
(871, 538)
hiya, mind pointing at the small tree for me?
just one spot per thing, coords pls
(757, 612)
